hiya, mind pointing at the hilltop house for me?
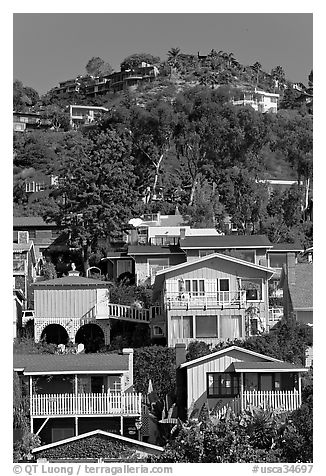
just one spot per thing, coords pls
(72, 394)
(235, 378)
(213, 298)
(260, 101)
(84, 115)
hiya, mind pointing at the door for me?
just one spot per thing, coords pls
(266, 382)
(97, 384)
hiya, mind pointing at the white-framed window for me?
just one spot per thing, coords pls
(223, 289)
(182, 327)
(192, 287)
(230, 327)
(206, 326)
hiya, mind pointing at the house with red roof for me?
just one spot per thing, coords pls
(72, 394)
(234, 379)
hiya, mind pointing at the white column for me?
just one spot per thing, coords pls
(299, 387)
(30, 399)
(241, 390)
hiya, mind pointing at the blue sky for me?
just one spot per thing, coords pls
(51, 47)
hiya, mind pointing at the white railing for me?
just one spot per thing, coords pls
(198, 298)
(86, 404)
(128, 313)
(286, 400)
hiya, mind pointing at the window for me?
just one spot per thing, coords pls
(222, 385)
(253, 288)
(181, 327)
(230, 327)
(206, 326)
(276, 260)
(194, 287)
(158, 331)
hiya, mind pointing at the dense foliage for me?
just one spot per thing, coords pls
(157, 364)
(253, 436)
(286, 341)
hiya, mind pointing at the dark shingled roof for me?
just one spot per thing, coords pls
(226, 241)
(49, 363)
(302, 291)
(271, 366)
(73, 281)
(31, 221)
(153, 250)
(286, 247)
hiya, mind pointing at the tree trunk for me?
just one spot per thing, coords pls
(193, 189)
(86, 255)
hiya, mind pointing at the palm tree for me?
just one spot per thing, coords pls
(173, 54)
(278, 75)
(257, 68)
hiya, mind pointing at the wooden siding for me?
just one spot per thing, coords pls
(197, 374)
(64, 302)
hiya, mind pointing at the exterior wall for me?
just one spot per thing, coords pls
(65, 302)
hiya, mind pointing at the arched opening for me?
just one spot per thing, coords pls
(55, 334)
(92, 336)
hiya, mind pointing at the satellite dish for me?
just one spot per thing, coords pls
(135, 222)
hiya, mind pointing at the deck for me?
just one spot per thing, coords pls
(284, 401)
(86, 404)
(191, 300)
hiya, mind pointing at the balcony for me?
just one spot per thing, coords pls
(285, 401)
(86, 404)
(195, 300)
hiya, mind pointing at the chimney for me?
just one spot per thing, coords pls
(290, 266)
(180, 354)
(182, 233)
(130, 353)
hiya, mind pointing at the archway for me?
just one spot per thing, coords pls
(92, 336)
(55, 334)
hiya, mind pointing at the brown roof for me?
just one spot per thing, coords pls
(70, 363)
(302, 291)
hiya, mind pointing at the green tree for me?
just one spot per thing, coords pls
(96, 194)
(256, 67)
(96, 66)
(173, 55)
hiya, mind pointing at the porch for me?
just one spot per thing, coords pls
(284, 401)
(85, 404)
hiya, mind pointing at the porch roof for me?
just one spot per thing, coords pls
(56, 364)
(250, 367)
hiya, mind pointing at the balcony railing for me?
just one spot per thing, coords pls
(86, 404)
(285, 401)
(199, 299)
(128, 313)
